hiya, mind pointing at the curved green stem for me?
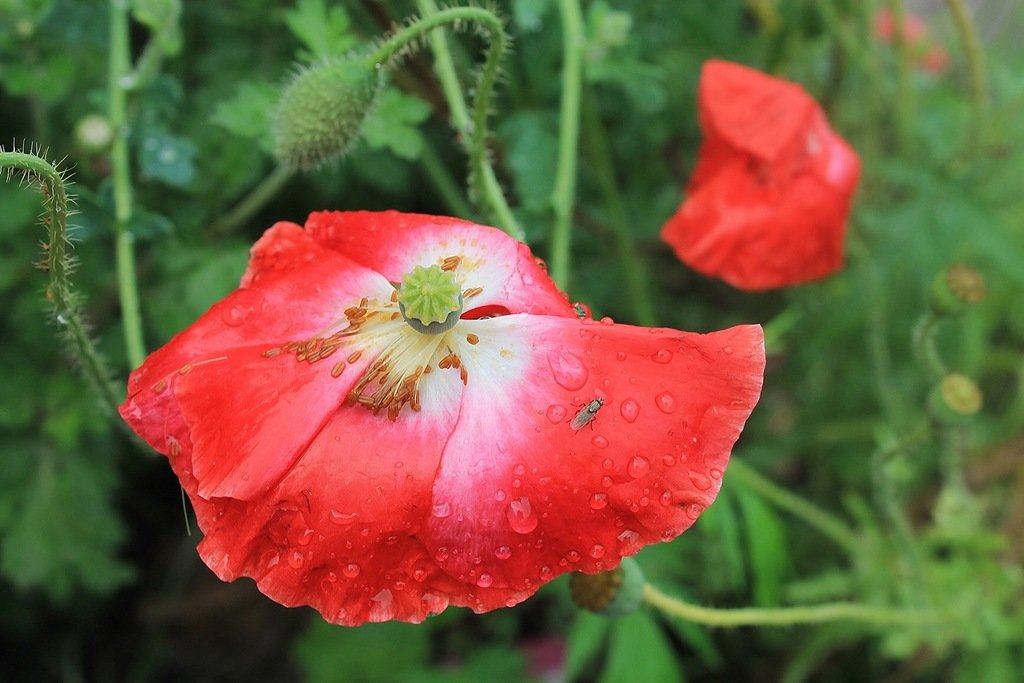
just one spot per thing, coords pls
(828, 524)
(241, 212)
(64, 301)
(472, 129)
(564, 192)
(596, 146)
(975, 60)
(125, 242)
(783, 616)
(924, 345)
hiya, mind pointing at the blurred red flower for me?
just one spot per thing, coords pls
(346, 461)
(768, 201)
(928, 55)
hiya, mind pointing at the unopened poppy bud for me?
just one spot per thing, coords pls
(322, 110)
(955, 399)
(958, 287)
(610, 594)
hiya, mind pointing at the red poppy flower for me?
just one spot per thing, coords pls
(345, 460)
(768, 200)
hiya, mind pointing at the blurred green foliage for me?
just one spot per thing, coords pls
(97, 575)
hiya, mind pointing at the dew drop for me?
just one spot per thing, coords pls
(567, 369)
(519, 469)
(306, 537)
(521, 516)
(485, 580)
(663, 356)
(621, 355)
(503, 552)
(343, 518)
(599, 441)
(556, 413)
(700, 480)
(638, 466)
(500, 495)
(666, 402)
(606, 481)
(573, 556)
(545, 572)
(597, 551)
(599, 501)
(607, 321)
(629, 542)
(236, 315)
(716, 473)
(441, 554)
(727, 350)
(419, 573)
(296, 559)
(441, 510)
(693, 510)
(630, 410)
(666, 497)
(668, 460)
(608, 463)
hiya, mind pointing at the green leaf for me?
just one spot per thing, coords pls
(163, 19)
(326, 653)
(167, 158)
(586, 638)
(324, 32)
(639, 651)
(248, 112)
(531, 148)
(766, 543)
(63, 533)
(393, 124)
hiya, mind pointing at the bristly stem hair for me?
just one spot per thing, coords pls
(472, 130)
(64, 302)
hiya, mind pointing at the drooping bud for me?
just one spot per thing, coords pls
(430, 299)
(321, 111)
(957, 288)
(611, 594)
(955, 399)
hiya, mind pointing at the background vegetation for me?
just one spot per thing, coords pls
(98, 577)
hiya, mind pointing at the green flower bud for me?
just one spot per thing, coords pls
(321, 111)
(954, 290)
(955, 399)
(611, 594)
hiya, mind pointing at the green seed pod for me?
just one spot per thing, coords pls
(321, 111)
(955, 289)
(611, 594)
(955, 399)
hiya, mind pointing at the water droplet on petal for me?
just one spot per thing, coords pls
(630, 410)
(545, 572)
(236, 315)
(700, 480)
(500, 495)
(608, 463)
(519, 469)
(599, 501)
(597, 551)
(521, 516)
(663, 356)
(441, 510)
(621, 355)
(666, 402)
(351, 570)
(606, 481)
(716, 473)
(441, 554)
(638, 466)
(306, 537)
(727, 350)
(599, 441)
(607, 321)
(666, 497)
(668, 460)
(573, 556)
(556, 413)
(693, 510)
(629, 542)
(296, 559)
(567, 369)
(503, 552)
(485, 580)
(342, 518)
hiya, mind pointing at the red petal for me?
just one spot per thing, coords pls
(751, 111)
(527, 497)
(392, 243)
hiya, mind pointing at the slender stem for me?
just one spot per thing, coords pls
(257, 198)
(472, 130)
(924, 345)
(125, 247)
(975, 59)
(564, 193)
(783, 616)
(904, 102)
(443, 182)
(596, 144)
(828, 524)
(64, 301)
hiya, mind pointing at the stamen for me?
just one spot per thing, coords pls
(472, 339)
(450, 263)
(471, 292)
(159, 386)
(337, 369)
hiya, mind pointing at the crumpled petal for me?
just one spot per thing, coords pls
(768, 200)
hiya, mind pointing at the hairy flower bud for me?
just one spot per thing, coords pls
(611, 594)
(322, 110)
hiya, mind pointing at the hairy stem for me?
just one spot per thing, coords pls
(63, 300)
(471, 127)
(975, 59)
(782, 616)
(828, 524)
(124, 240)
(564, 192)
